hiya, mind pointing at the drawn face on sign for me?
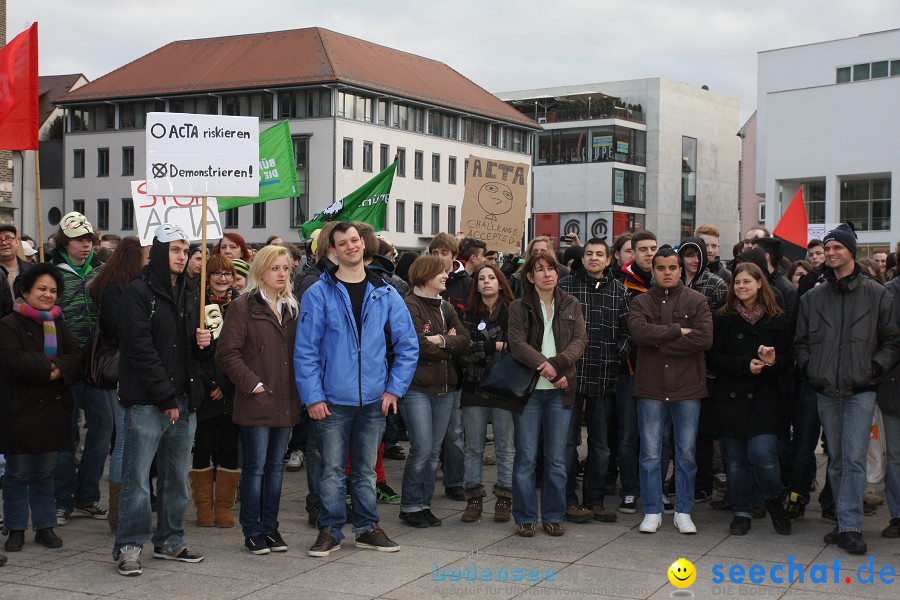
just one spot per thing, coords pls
(495, 199)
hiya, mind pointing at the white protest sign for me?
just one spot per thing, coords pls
(152, 211)
(202, 155)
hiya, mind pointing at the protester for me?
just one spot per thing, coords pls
(471, 254)
(109, 241)
(13, 266)
(274, 240)
(41, 362)
(159, 384)
(889, 402)
(487, 321)
(710, 235)
(233, 246)
(241, 271)
(622, 254)
(194, 263)
(815, 252)
(772, 246)
(546, 333)
(798, 270)
(490, 257)
(752, 235)
(872, 269)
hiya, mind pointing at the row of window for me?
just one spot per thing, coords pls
(101, 218)
(864, 202)
(865, 71)
(418, 209)
(597, 144)
(78, 162)
(384, 156)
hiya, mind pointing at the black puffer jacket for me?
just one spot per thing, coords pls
(459, 284)
(889, 390)
(848, 334)
(385, 268)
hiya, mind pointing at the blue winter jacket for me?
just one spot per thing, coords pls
(332, 363)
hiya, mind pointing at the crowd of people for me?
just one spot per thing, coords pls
(730, 372)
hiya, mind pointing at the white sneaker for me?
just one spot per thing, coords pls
(684, 524)
(650, 523)
(295, 462)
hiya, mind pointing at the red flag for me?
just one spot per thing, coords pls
(793, 228)
(19, 92)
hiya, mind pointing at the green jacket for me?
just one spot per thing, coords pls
(75, 302)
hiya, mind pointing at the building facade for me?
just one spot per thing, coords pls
(752, 206)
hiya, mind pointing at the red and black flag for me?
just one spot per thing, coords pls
(793, 229)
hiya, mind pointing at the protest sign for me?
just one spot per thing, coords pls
(152, 211)
(202, 155)
(493, 208)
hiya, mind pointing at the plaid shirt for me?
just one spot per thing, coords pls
(605, 305)
(713, 287)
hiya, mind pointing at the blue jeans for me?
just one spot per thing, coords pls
(747, 461)
(629, 439)
(891, 435)
(115, 459)
(83, 488)
(313, 460)
(28, 482)
(475, 420)
(598, 412)
(427, 417)
(148, 433)
(357, 430)
(807, 428)
(454, 465)
(847, 423)
(685, 416)
(544, 409)
(261, 476)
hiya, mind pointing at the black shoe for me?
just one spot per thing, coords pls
(852, 542)
(47, 537)
(869, 509)
(395, 453)
(376, 539)
(414, 519)
(780, 520)
(16, 541)
(256, 545)
(832, 536)
(314, 516)
(758, 512)
(456, 492)
(186, 555)
(2, 559)
(325, 543)
(702, 496)
(740, 526)
(275, 542)
(796, 507)
(432, 520)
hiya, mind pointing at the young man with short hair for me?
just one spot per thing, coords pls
(815, 252)
(472, 254)
(710, 235)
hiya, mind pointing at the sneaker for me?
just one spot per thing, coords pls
(650, 523)
(832, 536)
(456, 492)
(325, 544)
(603, 514)
(796, 507)
(628, 505)
(869, 509)
(62, 517)
(395, 453)
(758, 512)
(525, 529)
(893, 529)
(386, 494)
(256, 544)
(852, 542)
(376, 539)
(295, 461)
(48, 538)
(92, 510)
(668, 506)
(130, 561)
(554, 529)
(414, 519)
(702, 496)
(740, 526)
(432, 520)
(186, 555)
(872, 498)
(720, 482)
(313, 517)
(828, 514)
(578, 514)
(489, 460)
(275, 542)
(684, 524)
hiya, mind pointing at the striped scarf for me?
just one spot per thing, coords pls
(45, 318)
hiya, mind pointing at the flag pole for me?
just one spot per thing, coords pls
(203, 269)
(40, 212)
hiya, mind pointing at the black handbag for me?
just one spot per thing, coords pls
(100, 362)
(507, 379)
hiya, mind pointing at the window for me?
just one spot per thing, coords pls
(465, 171)
(300, 203)
(401, 162)
(474, 131)
(259, 215)
(128, 160)
(367, 157)
(133, 115)
(451, 220)
(761, 212)
(231, 218)
(354, 106)
(304, 104)
(78, 164)
(204, 105)
(408, 118)
(879, 69)
(78, 206)
(628, 188)
(867, 203)
(442, 124)
(451, 170)
(814, 198)
(384, 153)
(417, 217)
(383, 113)
(861, 72)
(400, 219)
(495, 135)
(435, 167)
(688, 186)
(435, 219)
(895, 68)
(515, 140)
(348, 153)
(103, 214)
(92, 118)
(419, 166)
(102, 162)
(127, 214)
(843, 75)
(249, 105)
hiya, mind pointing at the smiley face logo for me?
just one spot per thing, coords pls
(682, 573)
(495, 199)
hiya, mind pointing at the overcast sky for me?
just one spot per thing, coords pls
(500, 45)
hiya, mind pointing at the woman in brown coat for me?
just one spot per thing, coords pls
(255, 351)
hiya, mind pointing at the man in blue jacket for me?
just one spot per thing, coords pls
(346, 384)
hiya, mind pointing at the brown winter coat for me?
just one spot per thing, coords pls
(436, 372)
(254, 347)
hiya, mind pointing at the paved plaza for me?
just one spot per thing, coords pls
(594, 560)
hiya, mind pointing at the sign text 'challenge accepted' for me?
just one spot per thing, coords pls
(202, 155)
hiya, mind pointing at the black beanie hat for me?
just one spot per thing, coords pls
(772, 246)
(844, 235)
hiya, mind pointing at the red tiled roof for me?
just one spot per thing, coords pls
(295, 57)
(53, 87)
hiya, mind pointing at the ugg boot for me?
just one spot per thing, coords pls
(115, 490)
(780, 519)
(227, 482)
(474, 496)
(202, 490)
(503, 507)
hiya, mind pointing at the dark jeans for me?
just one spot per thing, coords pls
(299, 433)
(807, 428)
(313, 464)
(261, 478)
(598, 410)
(391, 431)
(751, 460)
(216, 443)
(454, 448)
(29, 483)
(629, 440)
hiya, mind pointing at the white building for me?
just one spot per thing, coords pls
(352, 105)
(828, 122)
(645, 153)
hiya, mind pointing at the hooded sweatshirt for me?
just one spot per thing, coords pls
(711, 286)
(459, 284)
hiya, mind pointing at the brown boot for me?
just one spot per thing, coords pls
(202, 490)
(227, 482)
(115, 490)
(474, 496)
(503, 507)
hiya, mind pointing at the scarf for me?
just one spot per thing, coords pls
(222, 301)
(45, 318)
(751, 316)
(85, 269)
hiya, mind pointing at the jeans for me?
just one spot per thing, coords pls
(427, 417)
(751, 460)
(28, 482)
(475, 421)
(629, 439)
(261, 476)
(847, 422)
(891, 436)
(454, 465)
(598, 412)
(148, 433)
(806, 437)
(118, 451)
(357, 429)
(685, 416)
(313, 460)
(544, 409)
(299, 433)
(83, 488)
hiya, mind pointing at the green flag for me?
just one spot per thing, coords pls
(277, 168)
(367, 203)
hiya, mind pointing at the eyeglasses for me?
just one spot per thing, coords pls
(7, 239)
(225, 274)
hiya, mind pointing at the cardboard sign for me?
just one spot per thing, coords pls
(152, 211)
(493, 208)
(202, 155)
